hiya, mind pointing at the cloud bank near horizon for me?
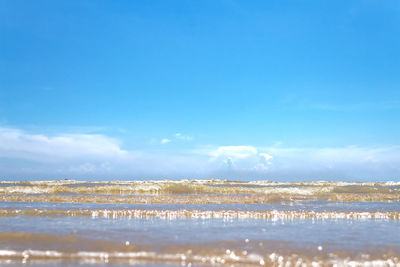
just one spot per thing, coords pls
(94, 156)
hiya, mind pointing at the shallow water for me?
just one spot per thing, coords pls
(240, 225)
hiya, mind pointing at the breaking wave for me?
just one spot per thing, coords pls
(196, 191)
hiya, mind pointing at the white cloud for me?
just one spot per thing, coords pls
(353, 162)
(354, 155)
(266, 156)
(38, 156)
(39, 147)
(234, 151)
(177, 136)
(241, 157)
(306, 163)
(183, 137)
(25, 155)
(165, 141)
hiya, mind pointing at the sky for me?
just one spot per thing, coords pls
(244, 90)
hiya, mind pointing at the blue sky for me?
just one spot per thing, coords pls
(282, 90)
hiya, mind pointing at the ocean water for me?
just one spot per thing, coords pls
(199, 223)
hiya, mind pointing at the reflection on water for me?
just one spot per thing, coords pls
(203, 223)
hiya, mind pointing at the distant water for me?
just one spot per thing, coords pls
(199, 223)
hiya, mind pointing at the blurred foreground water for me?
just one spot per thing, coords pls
(199, 223)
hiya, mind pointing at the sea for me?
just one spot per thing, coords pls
(199, 223)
